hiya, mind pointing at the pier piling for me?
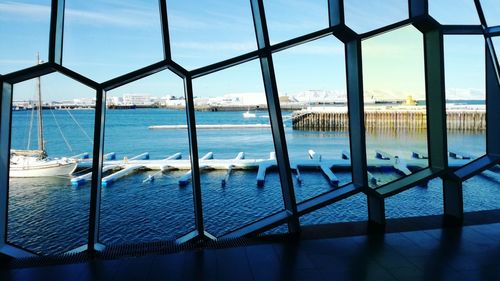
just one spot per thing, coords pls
(400, 118)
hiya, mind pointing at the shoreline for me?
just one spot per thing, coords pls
(315, 107)
(210, 108)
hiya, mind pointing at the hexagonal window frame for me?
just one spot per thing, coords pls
(8, 82)
(135, 77)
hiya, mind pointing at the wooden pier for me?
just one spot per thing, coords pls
(414, 118)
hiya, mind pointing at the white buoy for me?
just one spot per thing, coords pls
(272, 155)
(311, 153)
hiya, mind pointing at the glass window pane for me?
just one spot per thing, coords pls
(153, 202)
(46, 214)
(207, 31)
(496, 46)
(395, 111)
(24, 29)
(423, 200)
(491, 10)
(481, 191)
(454, 11)
(365, 15)
(287, 19)
(351, 209)
(105, 39)
(312, 88)
(231, 118)
(465, 97)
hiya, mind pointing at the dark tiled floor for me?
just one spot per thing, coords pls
(468, 253)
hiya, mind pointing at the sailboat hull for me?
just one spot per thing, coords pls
(51, 168)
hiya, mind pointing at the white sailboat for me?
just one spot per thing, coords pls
(36, 163)
(32, 166)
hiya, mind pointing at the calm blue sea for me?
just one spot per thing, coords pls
(50, 216)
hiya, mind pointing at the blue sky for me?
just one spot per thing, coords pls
(107, 38)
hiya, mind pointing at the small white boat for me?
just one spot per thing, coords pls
(248, 114)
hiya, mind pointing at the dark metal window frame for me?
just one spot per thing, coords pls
(419, 17)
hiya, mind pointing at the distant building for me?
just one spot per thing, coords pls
(172, 101)
(138, 99)
(114, 100)
(201, 101)
(321, 96)
(84, 101)
(243, 99)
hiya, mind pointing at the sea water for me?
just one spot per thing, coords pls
(49, 216)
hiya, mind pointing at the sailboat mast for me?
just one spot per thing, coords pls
(41, 145)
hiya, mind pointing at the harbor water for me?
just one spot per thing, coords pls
(49, 216)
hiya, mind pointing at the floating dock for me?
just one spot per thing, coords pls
(211, 126)
(84, 155)
(117, 169)
(129, 169)
(186, 178)
(240, 156)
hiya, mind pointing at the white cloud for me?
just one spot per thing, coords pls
(126, 17)
(364, 16)
(215, 46)
(465, 94)
(17, 62)
(322, 50)
(33, 11)
(178, 21)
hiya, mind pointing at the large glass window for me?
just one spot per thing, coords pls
(312, 88)
(395, 108)
(51, 141)
(465, 98)
(146, 192)
(241, 184)
(146, 189)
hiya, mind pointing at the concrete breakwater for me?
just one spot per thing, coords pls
(409, 119)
